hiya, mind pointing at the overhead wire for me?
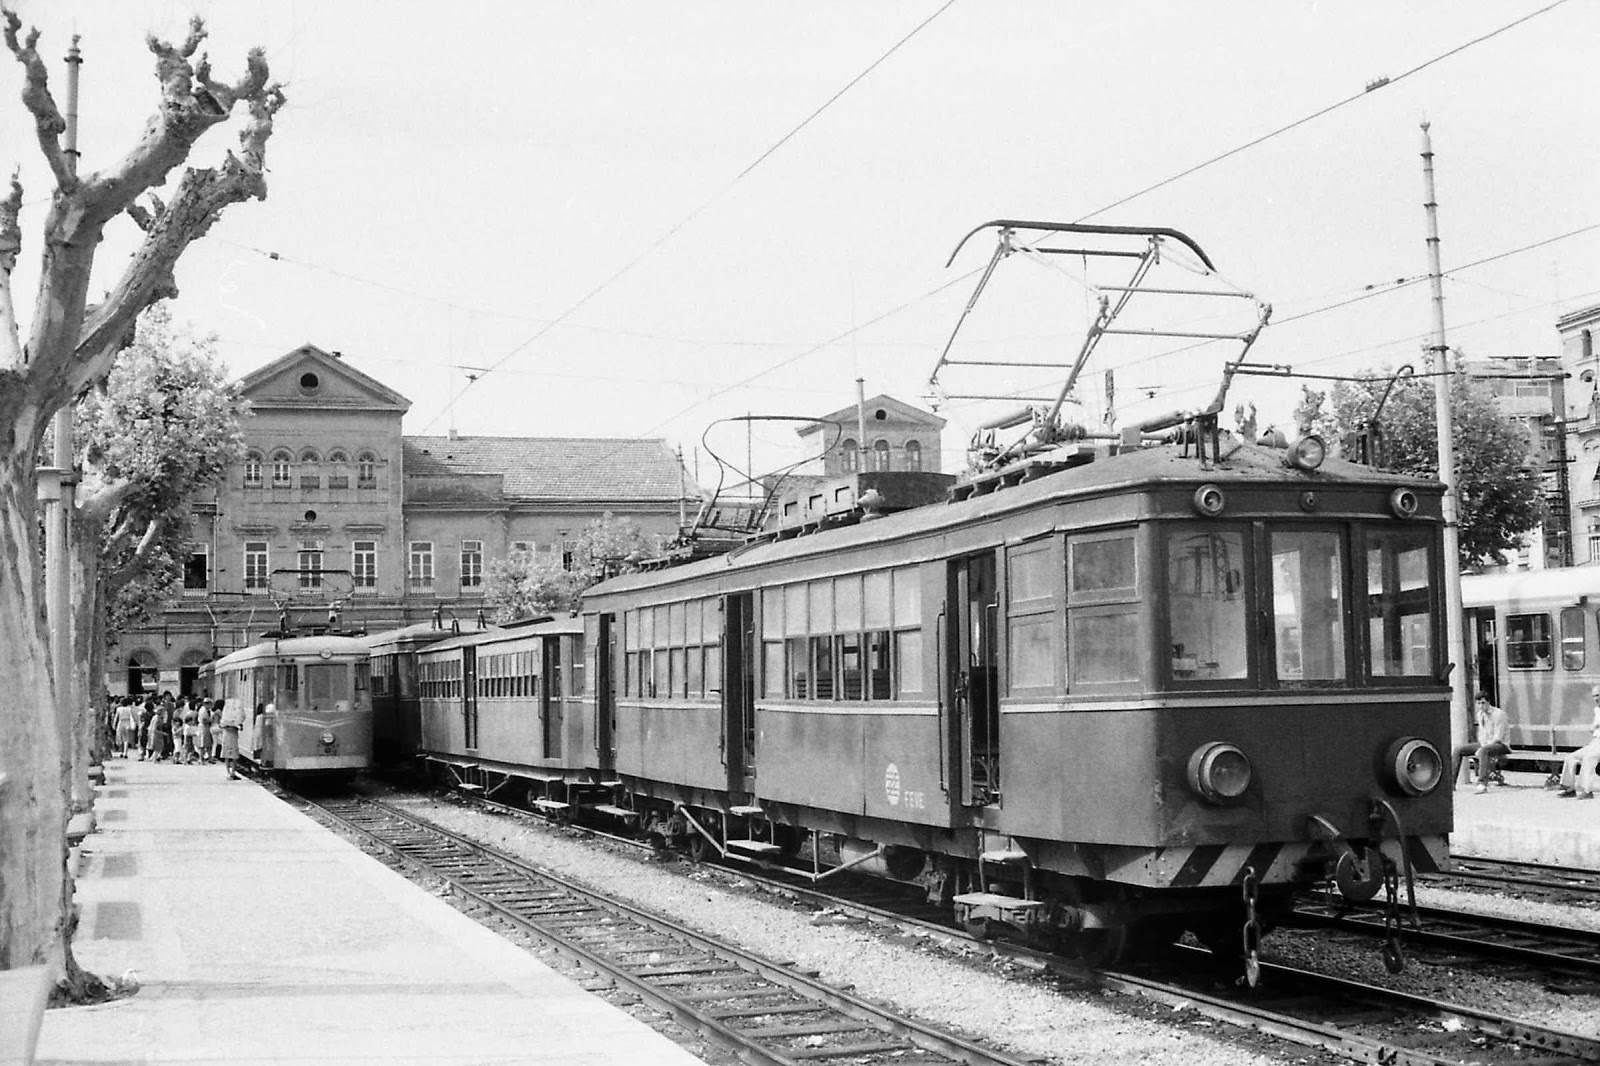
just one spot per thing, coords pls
(673, 230)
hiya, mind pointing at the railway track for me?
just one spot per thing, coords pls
(1541, 947)
(1525, 878)
(1363, 1023)
(766, 1012)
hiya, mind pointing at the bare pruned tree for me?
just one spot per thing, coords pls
(67, 346)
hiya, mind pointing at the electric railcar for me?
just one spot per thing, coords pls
(1087, 701)
(306, 704)
(1534, 639)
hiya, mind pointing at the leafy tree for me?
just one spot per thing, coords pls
(162, 426)
(69, 345)
(1499, 487)
(524, 585)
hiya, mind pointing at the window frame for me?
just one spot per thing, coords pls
(420, 572)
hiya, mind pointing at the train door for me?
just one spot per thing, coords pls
(469, 696)
(739, 691)
(1485, 660)
(973, 672)
(605, 692)
(552, 697)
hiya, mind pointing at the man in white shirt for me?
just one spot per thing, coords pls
(1578, 768)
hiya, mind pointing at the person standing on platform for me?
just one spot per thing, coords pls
(147, 737)
(1578, 768)
(126, 726)
(232, 719)
(202, 744)
(189, 711)
(161, 730)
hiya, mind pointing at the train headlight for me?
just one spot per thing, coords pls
(1209, 500)
(1403, 502)
(1414, 766)
(327, 738)
(1307, 453)
(1219, 772)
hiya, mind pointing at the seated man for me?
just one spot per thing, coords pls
(1578, 768)
(1493, 728)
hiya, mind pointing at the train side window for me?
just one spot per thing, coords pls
(907, 666)
(1572, 651)
(1209, 621)
(877, 615)
(1528, 641)
(1032, 577)
(797, 646)
(363, 677)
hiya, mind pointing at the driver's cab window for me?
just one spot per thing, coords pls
(1206, 602)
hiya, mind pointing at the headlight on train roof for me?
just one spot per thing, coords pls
(1307, 453)
(1219, 772)
(1414, 766)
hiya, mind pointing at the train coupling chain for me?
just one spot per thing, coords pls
(1394, 956)
(1250, 935)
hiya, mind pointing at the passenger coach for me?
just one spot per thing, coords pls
(1150, 692)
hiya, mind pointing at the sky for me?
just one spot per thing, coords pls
(631, 219)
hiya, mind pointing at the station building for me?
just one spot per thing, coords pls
(404, 526)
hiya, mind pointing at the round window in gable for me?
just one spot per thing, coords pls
(881, 415)
(309, 382)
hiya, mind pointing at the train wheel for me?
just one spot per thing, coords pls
(1100, 946)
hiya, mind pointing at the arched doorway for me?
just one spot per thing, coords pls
(189, 672)
(144, 673)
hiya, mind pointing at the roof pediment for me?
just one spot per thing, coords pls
(311, 377)
(894, 410)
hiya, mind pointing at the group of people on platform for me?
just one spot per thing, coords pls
(1579, 779)
(188, 730)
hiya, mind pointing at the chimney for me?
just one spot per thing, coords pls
(453, 434)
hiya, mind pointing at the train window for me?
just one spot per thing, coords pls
(1032, 651)
(908, 662)
(798, 651)
(878, 666)
(794, 610)
(1528, 641)
(713, 673)
(847, 603)
(773, 670)
(819, 597)
(326, 683)
(711, 622)
(1308, 615)
(675, 624)
(822, 680)
(677, 682)
(1104, 643)
(661, 682)
(1101, 568)
(692, 613)
(1572, 652)
(876, 603)
(695, 678)
(907, 597)
(1400, 619)
(363, 677)
(847, 653)
(1206, 606)
(1033, 576)
(772, 614)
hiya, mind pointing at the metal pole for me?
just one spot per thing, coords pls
(861, 424)
(1447, 462)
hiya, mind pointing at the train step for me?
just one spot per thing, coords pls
(747, 812)
(991, 905)
(1003, 857)
(469, 787)
(551, 805)
(754, 847)
(615, 811)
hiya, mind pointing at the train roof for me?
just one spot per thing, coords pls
(295, 646)
(1565, 584)
(563, 626)
(1145, 468)
(419, 633)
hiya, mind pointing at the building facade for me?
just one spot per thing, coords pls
(334, 508)
(881, 434)
(1576, 331)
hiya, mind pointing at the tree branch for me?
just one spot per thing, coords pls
(11, 354)
(130, 569)
(47, 120)
(99, 506)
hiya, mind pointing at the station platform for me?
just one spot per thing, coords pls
(256, 936)
(1526, 822)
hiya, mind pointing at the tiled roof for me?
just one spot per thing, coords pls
(576, 468)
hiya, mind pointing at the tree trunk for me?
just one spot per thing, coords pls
(88, 659)
(33, 808)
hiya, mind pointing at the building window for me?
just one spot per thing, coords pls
(364, 563)
(422, 565)
(471, 564)
(252, 470)
(524, 547)
(913, 455)
(849, 456)
(1594, 547)
(366, 471)
(310, 564)
(564, 546)
(195, 571)
(255, 566)
(282, 466)
(880, 455)
(338, 472)
(309, 477)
